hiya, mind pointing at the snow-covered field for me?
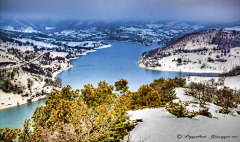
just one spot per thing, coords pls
(14, 100)
(38, 43)
(58, 54)
(232, 82)
(104, 46)
(197, 63)
(89, 44)
(159, 125)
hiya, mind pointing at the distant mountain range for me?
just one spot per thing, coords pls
(145, 33)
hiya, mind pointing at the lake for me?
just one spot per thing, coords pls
(109, 64)
(113, 63)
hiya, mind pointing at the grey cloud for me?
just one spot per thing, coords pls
(189, 10)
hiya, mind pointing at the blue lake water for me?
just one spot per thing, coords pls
(15, 117)
(109, 64)
(113, 63)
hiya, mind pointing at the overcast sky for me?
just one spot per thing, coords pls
(190, 10)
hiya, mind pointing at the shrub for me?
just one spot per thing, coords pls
(186, 104)
(7, 135)
(179, 110)
(224, 111)
(179, 60)
(205, 112)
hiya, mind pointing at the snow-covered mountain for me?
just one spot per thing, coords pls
(210, 51)
(145, 33)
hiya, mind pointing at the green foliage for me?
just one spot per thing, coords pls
(97, 96)
(157, 94)
(152, 99)
(26, 133)
(97, 114)
(57, 107)
(156, 82)
(8, 135)
(205, 112)
(227, 94)
(224, 111)
(225, 97)
(179, 110)
(169, 87)
(142, 92)
(121, 85)
(181, 82)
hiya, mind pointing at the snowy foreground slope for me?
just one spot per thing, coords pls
(160, 126)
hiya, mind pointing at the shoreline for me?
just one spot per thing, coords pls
(7, 108)
(177, 71)
(57, 73)
(18, 98)
(54, 75)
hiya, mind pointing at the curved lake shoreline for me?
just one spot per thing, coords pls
(109, 64)
(148, 68)
(4, 109)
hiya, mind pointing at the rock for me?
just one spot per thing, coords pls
(234, 113)
(215, 117)
(126, 138)
(139, 120)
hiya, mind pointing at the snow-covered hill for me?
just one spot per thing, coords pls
(211, 51)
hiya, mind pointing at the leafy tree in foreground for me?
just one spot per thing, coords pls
(169, 89)
(97, 96)
(26, 132)
(156, 82)
(142, 92)
(97, 115)
(152, 99)
(226, 98)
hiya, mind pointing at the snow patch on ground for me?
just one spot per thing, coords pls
(38, 43)
(160, 125)
(232, 82)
